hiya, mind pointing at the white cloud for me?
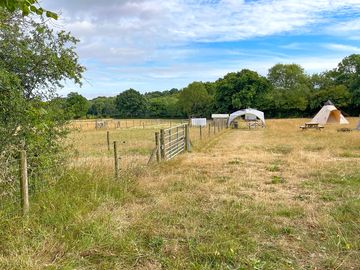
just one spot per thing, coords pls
(149, 41)
(342, 48)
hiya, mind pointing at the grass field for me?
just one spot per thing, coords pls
(273, 198)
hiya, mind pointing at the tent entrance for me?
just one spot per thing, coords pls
(334, 117)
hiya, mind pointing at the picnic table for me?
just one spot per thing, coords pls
(311, 125)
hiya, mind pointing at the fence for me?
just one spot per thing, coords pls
(21, 175)
(172, 141)
(98, 124)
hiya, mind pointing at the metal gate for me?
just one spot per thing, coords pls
(172, 141)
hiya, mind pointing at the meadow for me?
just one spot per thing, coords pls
(273, 198)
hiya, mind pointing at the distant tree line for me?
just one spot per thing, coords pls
(286, 91)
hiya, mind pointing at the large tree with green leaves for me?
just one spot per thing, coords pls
(347, 73)
(240, 90)
(194, 100)
(76, 105)
(131, 103)
(291, 90)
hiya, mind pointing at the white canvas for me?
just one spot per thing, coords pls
(329, 114)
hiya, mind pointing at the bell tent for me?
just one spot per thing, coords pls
(329, 114)
(250, 114)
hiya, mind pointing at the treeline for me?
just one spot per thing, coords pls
(286, 91)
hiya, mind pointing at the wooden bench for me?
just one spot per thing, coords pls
(311, 126)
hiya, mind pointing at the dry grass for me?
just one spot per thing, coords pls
(274, 198)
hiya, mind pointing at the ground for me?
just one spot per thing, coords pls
(273, 198)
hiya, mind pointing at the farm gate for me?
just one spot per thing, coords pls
(172, 141)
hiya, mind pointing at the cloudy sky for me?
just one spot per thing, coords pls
(156, 45)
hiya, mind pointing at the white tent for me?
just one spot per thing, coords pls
(250, 114)
(329, 114)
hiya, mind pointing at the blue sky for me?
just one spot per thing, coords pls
(153, 45)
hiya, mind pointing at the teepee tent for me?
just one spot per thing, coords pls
(329, 114)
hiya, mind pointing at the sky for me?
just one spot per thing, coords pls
(153, 45)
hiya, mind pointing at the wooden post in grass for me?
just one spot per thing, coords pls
(200, 132)
(116, 159)
(187, 138)
(209, 130)
(108, 139)
(214, 127)
(143, 125)
(157, 143)
(24, 184)
(162, 144)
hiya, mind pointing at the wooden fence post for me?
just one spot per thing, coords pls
(157, 143)
(200, 132)
(187, 138)
(162, 144)
(24, 184)
(116, 159)
(214, 127)
(209, 129)
(108, 139)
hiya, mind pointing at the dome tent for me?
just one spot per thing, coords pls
(329, 114)
(250, 114)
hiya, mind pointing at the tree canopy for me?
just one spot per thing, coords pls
(131, 103)
(194, 100)
(34, 62)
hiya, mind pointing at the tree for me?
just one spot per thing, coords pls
(76, 105)
(41, 58)
(347, 73)
(102, 107)
(194, 100)
(27, 7)
(240, 90)
(291, 90)
(131, 103)
(34, 62)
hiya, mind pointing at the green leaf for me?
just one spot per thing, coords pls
(39, 11)
(50, 14)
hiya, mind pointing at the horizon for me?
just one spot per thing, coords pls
(151, 47)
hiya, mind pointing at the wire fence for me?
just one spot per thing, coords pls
(115, 154)
(22, 176)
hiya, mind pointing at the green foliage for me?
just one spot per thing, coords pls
(286, 92)
(338, 94)
(194, 100)
(102, 107)
(76, 105)
(291, 90)
(27, 7)
(131, 104)
(41, 58)
(240, 90)
(348, 73)
(34, 62)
